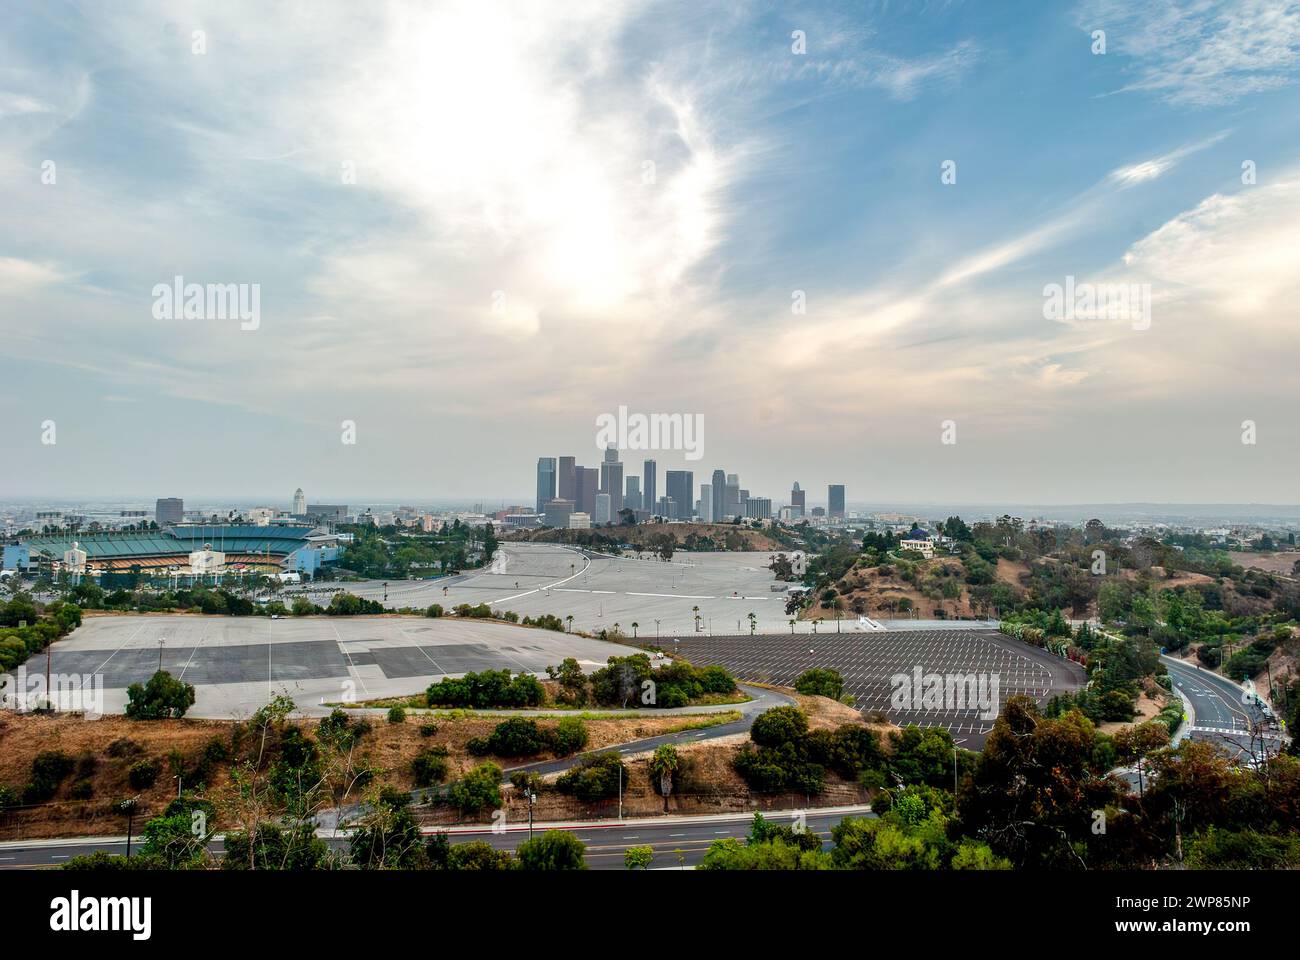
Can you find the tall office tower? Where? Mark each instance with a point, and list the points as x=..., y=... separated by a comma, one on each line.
x=632, y=498
x=732, y=502
x=797, y=502
x=557, y=513
x=545, y=482
x=719, y=486
x=706, y=502
x=566, y=479
x=611, y=453
x=586, y=488
x=299, y=503
x=758, y=508
x=650, y=484
x=169, y=510
x=835, y=500
x=602, y=508
x=611, y=480
x=681, y=491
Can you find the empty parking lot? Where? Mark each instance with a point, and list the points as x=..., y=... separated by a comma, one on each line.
x=869, y=662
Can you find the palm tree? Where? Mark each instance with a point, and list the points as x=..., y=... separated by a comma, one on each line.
x=791, y=622
x=569, y=618
x=662, y=766
x=634, y=626
x=753, y=623
x=696, y=610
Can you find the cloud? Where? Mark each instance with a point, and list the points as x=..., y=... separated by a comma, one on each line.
x=1133, y=174
x=1201, y=53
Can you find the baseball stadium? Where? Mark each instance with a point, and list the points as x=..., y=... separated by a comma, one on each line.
x=186, y=549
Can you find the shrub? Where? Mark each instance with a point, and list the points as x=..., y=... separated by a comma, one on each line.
x=593, y=778
x=396, y=715
x=143, y=774
x=570, y=736
x=479, y=788
x=820, y=682
x=429, y=767
x=49, y=770
x=777, y=726
x=162, y=697
x=434, y=610
x=553, y=850
x=428, y=729
x=517, y=737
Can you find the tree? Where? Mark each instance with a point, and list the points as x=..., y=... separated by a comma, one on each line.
x=778, y=726
x=553, y=850
x=390, y=838
x=820, y=682
x=635, y=858
x=161, y=698
x=663, y=765
x=478, y=789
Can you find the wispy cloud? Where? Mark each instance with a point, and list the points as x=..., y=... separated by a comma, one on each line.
x=1201, y=53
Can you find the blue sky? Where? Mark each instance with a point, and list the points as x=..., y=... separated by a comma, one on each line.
x=447, y=211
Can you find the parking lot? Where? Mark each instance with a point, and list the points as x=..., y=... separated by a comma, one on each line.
x=869, y=662
x=237, y=663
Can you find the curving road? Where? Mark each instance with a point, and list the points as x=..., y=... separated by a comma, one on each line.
x=1222, y=713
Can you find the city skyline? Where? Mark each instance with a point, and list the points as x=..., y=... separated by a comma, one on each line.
x=831, y=293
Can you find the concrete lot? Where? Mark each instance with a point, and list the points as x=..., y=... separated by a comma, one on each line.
x=237, y=663
x=599, y=591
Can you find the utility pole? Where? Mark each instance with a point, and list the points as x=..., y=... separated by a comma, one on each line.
x=620, y=790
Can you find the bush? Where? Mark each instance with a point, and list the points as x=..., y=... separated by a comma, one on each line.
x=162, y=697
x=429, y=767
x=570, y=736
x=820, y=682
x=478, y=789
x=778, y=726
x=428, y=729
x=491, y=688
x=143, y=774
x=434, y=610
x=593, y=778
x=516, y=737
x=553, y=850
x=717, y=680
x=396, y=715
x=49, y=769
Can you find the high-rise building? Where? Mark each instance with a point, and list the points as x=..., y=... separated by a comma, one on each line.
x=545, y=482
x=664, y=507
x=602, y=514
x=706, y=503
x=557, y=513
x=719, y=490
x=681, y=491
x=169, y=510
x=650, y=483
x=566, y=479
x=758, y=508
x=732, y=505
x=835, y=500
x=299, y=502
x=585, y=489
x=611, y=479
x=632, y=496
x=798, y=504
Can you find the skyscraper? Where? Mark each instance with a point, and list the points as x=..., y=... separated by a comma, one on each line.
x=545, y=482
x=602, y=514
x=719, y=486
x=566, y=478
x=681, y=490
x=797, y=501
x=835, y=500
x=632, y=496
x=706, y=502
x=586, y=487
x=649, y=484
x=299, y=503
x=558, y=513
x=169, y=510
x=732, y=505
x=611, y=479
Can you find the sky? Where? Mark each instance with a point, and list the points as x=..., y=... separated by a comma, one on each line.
x=827, y=230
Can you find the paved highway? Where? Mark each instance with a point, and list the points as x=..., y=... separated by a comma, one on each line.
x=1221, y=712
x=671, y=838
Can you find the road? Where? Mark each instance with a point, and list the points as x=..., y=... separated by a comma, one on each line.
x=606, y=840
x=1221, y=712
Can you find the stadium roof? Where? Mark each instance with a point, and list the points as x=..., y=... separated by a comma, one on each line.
x=179, y=540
